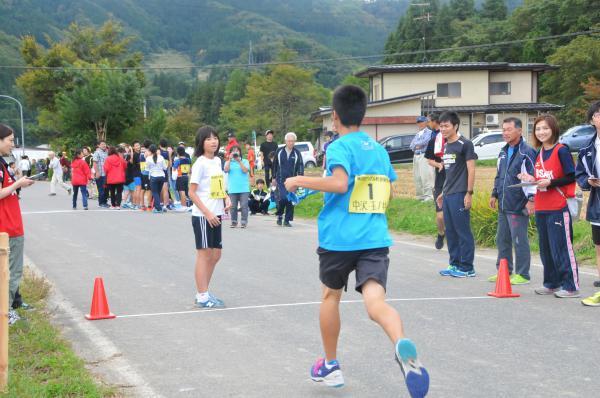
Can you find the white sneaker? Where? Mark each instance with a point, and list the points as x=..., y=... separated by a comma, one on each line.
x=13, y=317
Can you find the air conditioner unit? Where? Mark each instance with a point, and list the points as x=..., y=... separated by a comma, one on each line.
x=492, y=120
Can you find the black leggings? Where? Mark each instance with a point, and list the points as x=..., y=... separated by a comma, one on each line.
x=116, y=191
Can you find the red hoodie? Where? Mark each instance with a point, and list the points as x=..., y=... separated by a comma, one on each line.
x=80, y=172
x=114, y=167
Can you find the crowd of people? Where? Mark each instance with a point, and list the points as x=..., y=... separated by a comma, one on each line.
x=538, y=179
x=531, y=180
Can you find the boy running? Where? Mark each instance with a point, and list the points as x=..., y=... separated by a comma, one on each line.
x=357, y=189
x=181, y=166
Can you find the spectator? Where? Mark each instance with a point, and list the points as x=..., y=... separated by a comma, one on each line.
x=238, y=184
x=11, y=220
x=15, y=174
x=66, y=166
x=433, y=154
x=99, y=158
x=25, y=166
x=57, y=175
x=259, y=199
x=181, y=169
x=287, y=163
x=457, y=196
x=422, y=172
x=81, y=175
x=163, y=147
x=514, y=205
x=265, y=149
x=231, y=142
x=156, y=166
x=114, y=169
x=137, y=176
x=588, y=178
x=129, y=185
x=555, y=181
x=251, y=156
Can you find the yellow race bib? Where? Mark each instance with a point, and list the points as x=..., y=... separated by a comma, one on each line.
x=217, y=187
x=142, y=166
x=371, y=194
x=184, y=168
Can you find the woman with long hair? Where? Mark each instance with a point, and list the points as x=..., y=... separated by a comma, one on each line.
x=555, y=182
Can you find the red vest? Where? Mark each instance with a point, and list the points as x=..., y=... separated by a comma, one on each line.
x=11, y=221
x=551, y=198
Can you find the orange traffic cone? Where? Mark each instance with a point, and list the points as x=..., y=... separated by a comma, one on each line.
x=99, y=308
x=503, y=287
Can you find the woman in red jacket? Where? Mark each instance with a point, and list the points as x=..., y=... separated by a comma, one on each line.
x=80, y=176
x=11, y=221
x=555, y=178
x=114, y=167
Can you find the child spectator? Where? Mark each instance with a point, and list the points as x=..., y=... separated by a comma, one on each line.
x=259, y=199
x=181, y=166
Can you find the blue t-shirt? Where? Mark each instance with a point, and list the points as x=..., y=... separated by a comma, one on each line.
x=511, y=150
x=339, y=230
x=237, y=180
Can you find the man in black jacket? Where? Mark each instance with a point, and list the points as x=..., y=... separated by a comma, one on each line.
x=287, y=163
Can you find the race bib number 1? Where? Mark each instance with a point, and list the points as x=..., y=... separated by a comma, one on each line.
x=371, y=194
x=217, y=187
x=185, y=168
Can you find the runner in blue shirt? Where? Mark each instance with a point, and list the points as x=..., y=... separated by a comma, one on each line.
x=353, y=236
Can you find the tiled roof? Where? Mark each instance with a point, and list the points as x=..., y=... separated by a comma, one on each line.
x=454, y=66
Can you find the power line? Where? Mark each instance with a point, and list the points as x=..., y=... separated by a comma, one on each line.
x=307, y=61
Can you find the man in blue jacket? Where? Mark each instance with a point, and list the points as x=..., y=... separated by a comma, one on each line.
x=515, y=205
x=287, y=163
x=587, y=174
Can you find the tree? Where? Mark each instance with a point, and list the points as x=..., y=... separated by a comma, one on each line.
x=104, y=105
x=81, y=47
x=357, y=81
x=235, y=88
x=461, y=9
x=494, y=10
x=280, y=98
x=578, y=62
x=183, y=124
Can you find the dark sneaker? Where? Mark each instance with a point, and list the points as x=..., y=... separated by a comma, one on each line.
x=279, y=222
x=415, y=375
x=287, y=224
x=328, y=373
x=596, y=283
x=439, y=242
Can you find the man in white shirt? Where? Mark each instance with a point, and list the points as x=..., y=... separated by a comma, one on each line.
x=25, y=166
x=57, y=175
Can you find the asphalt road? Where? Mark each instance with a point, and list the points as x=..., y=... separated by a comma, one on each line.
x=267, y=339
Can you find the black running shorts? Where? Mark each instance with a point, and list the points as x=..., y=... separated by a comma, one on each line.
x=207, y=237
x=335, y=267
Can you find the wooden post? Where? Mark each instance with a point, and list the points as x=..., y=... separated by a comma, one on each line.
x=4, y=280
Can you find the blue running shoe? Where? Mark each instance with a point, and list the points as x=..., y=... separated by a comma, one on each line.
x=328, y=373
x=212, y=302
x=155, y=211
x=415, y=375
x=217, y=300
x=447, y=271
x=456, y=273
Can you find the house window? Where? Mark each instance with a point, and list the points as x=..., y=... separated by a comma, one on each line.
x=448, y=90
x=500, y=88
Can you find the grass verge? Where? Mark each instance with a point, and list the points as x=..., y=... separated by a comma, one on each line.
x=418, y=218
x=41, y=362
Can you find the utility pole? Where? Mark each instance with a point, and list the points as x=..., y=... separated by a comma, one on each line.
x=426, y=18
